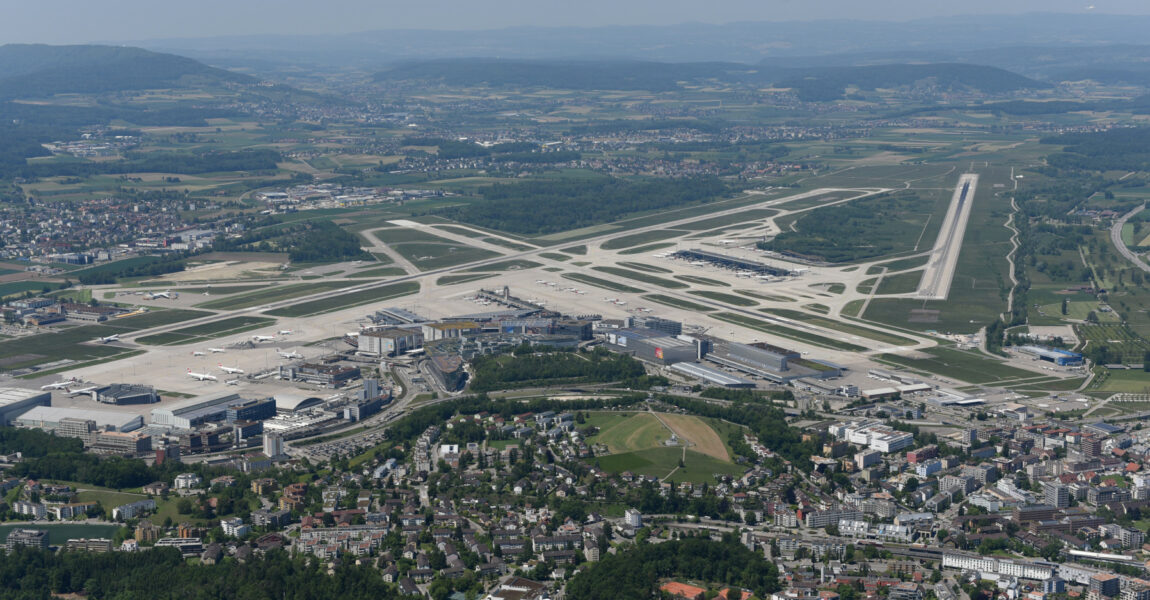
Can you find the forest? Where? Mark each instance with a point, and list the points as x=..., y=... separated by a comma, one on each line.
x=542, y=207
x=151, y=266
x=500, y=372
x=27, y=574
x=308, y=242
x=638, y=571
x=1125, y=149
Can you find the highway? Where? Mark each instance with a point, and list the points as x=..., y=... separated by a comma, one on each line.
x=1116, y=238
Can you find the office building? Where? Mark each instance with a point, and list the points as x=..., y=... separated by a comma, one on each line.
x=273, y=445
x=1055, y=494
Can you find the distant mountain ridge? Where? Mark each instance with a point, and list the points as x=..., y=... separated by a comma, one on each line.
x=813, y=83
x=35, y=70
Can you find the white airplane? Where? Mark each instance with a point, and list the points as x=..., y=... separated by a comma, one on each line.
x=216, y=350
x=59, y=385
x=263, y=338
x=230, y=370
x=197, y=353
x=164, y=294
x=83, y=391
x=232, y=382
x=286, y=332
x=115, y=337
x=292, y=354
x=201, y=376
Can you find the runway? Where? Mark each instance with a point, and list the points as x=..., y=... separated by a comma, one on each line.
x=939, y=272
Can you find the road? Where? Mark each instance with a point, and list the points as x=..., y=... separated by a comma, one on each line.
x=1116, y=239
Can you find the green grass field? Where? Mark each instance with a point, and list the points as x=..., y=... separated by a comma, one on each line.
x=644, y=267
x=787, y=332
x=275, y=294
x=638, y=239
x=846, y=328
x=456, y=279
x=902, y=283
x=342, y=301
x=379, y=272
x=643, y=277
x=649, y=248
x=508, y=265
x=677, y=303
x=601, y=283
x=636, y=444
x=726, y=298
x=966, y=365
x=701, y=280
x=207, y=331
x=429, y=257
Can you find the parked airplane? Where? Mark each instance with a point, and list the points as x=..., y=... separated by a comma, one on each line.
x=230, y=370
x=286, y=332
x=263, y=338
x=232, y=382
x=197, y=353
x=59, y=385
x=83, y=391
x=215, y=350
x=292, y=354
x=201, y=376
x=166, y=294
x=115, y=337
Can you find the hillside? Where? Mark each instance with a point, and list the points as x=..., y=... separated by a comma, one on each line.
x=34, y=70
x=812, y=83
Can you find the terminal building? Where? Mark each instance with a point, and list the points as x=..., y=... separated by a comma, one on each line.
x=332, y=376
x=711, y=375
x=228, y=407
x=15, y=402
x=731, y=262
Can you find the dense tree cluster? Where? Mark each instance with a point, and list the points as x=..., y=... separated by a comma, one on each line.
x=491, y=373
x=163, y=573
x=151, y=266
x=1126, y=149
x=636, y=573
x=311, y=241
x=540, y=207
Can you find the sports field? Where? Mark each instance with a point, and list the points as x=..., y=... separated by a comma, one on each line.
x=638, y=443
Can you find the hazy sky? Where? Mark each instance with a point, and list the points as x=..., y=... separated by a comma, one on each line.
x=72, y=21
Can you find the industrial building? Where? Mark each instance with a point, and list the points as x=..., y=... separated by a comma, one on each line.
x=126, y=393
x=768, y=362
x=873, y=435
x=711, y=375
x=652, y=346
x=15, y=402
x=390, y=342
x=1062, y=358
x=50, y=418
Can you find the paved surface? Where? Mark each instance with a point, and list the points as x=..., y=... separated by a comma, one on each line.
x=935, y=284
x=1116, y=238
